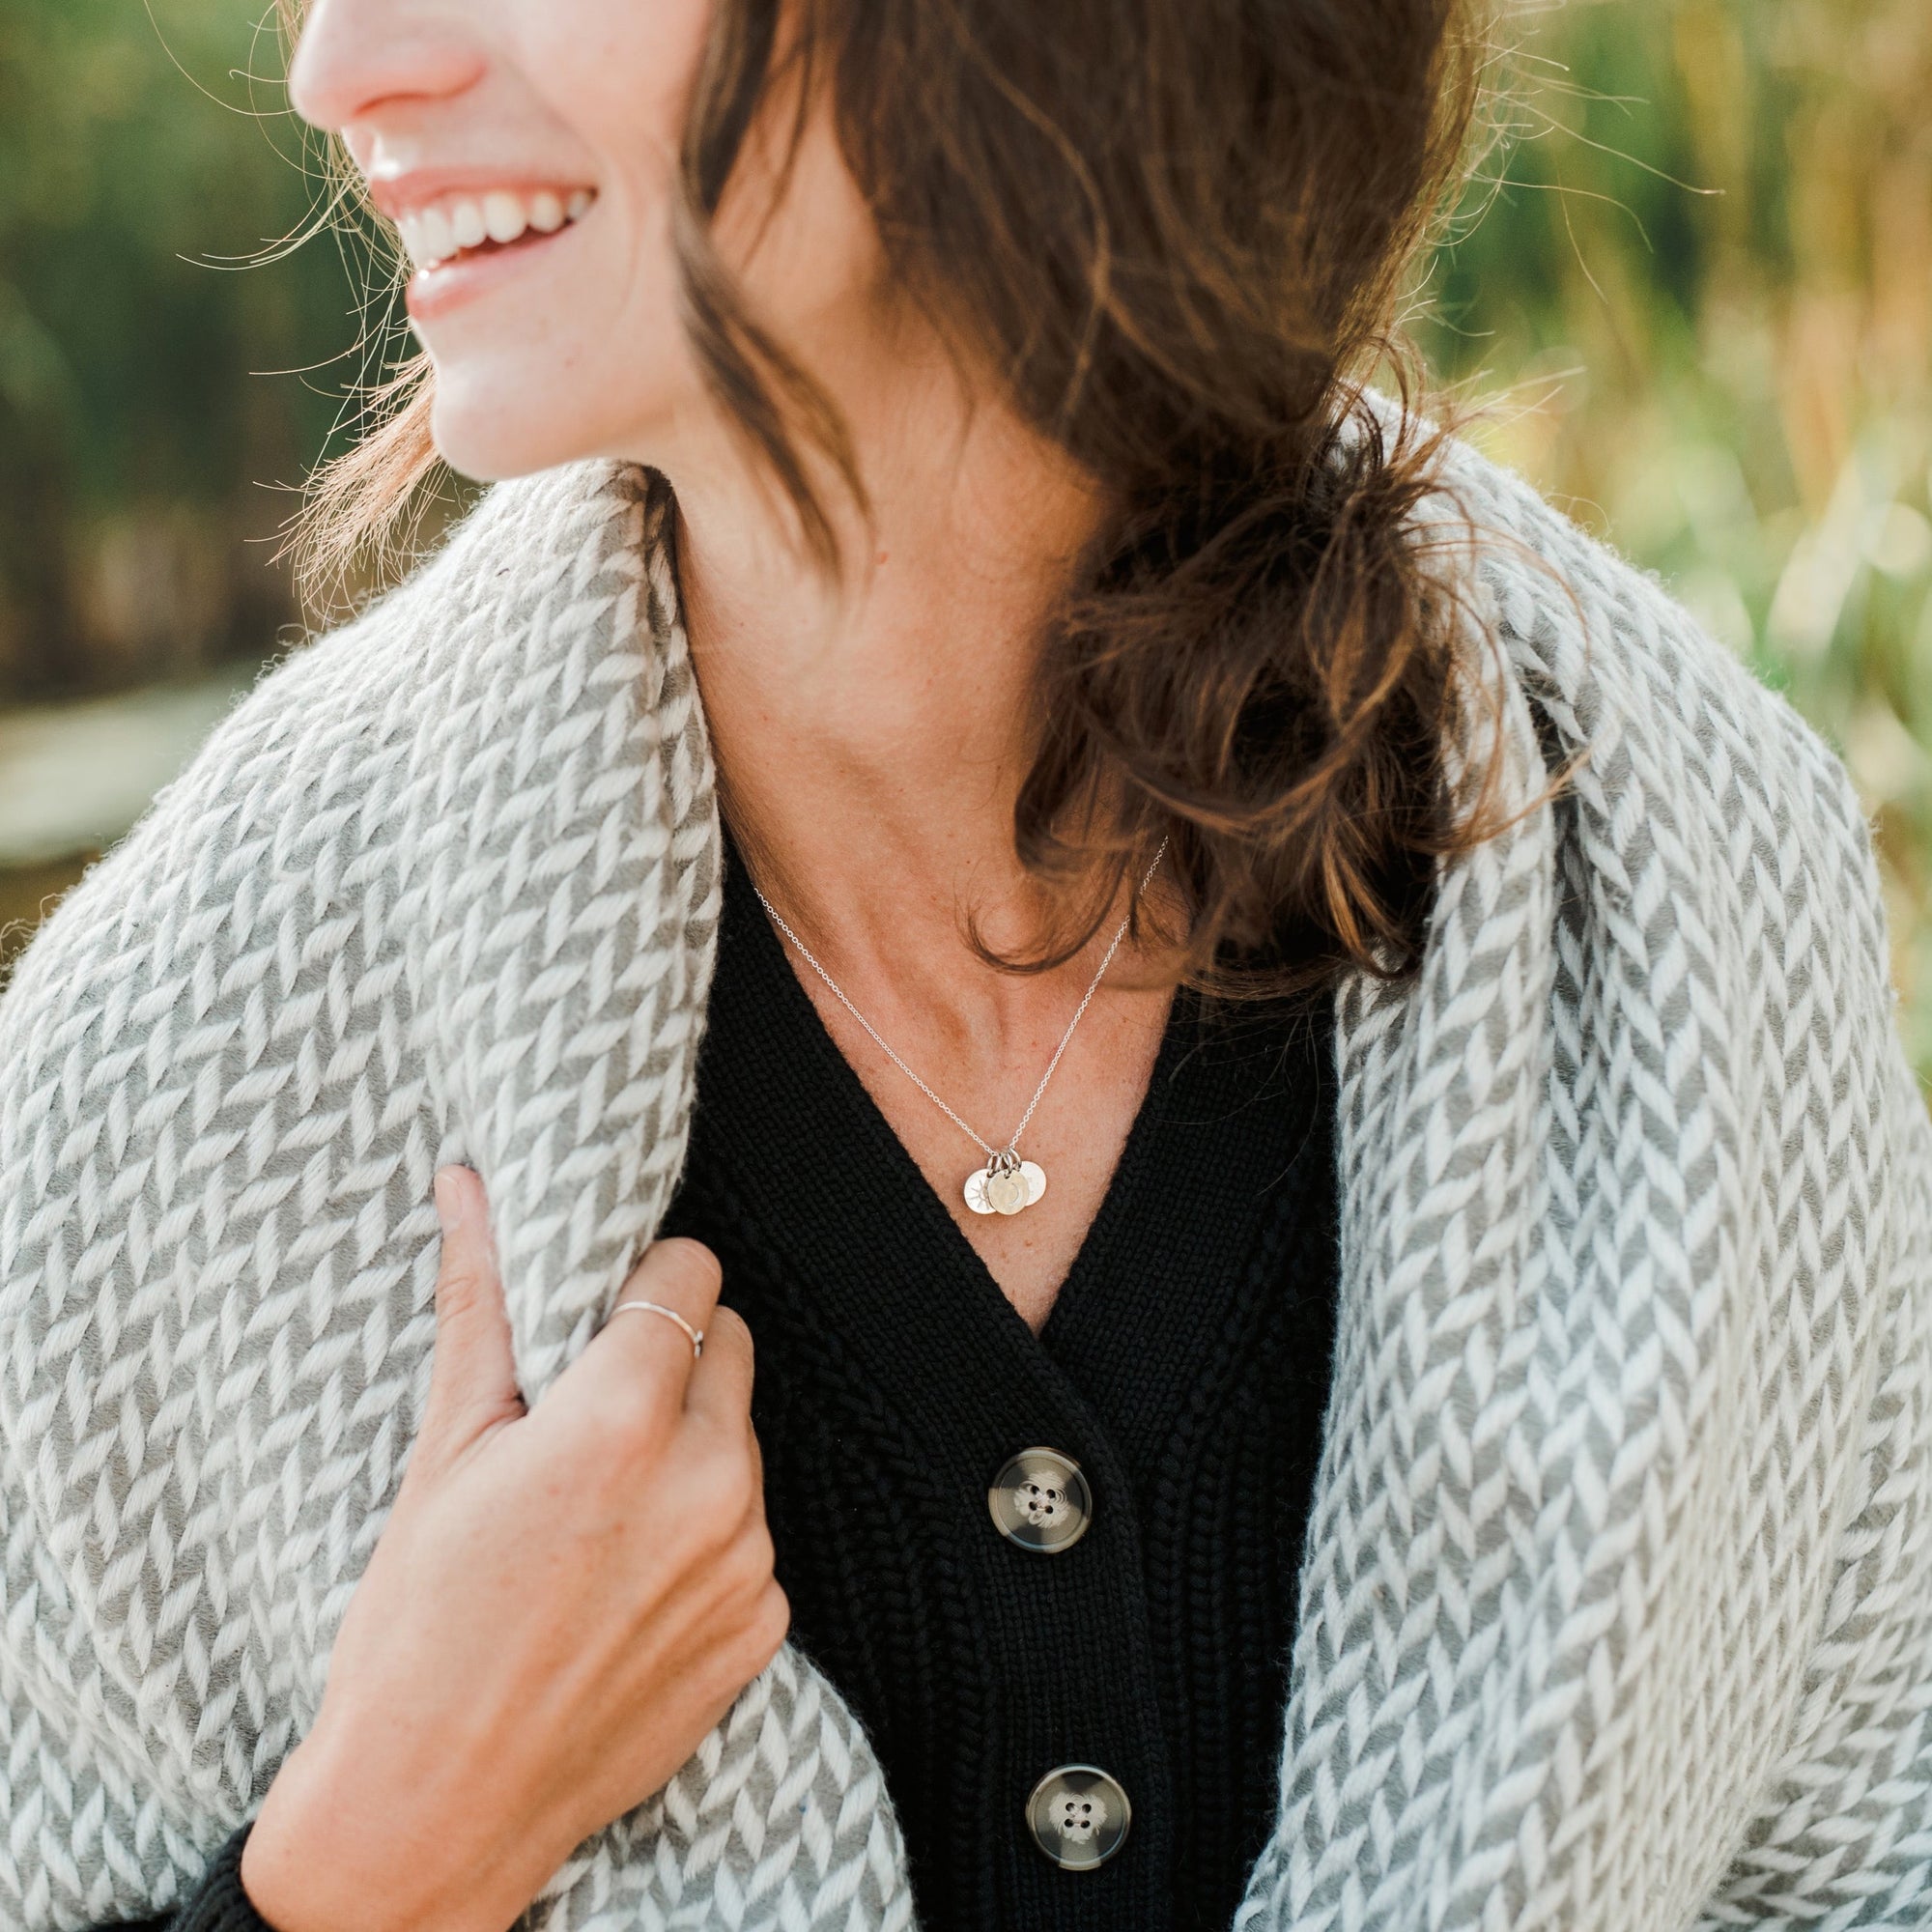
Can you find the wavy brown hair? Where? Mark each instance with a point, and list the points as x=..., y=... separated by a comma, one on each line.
x=1178, y=234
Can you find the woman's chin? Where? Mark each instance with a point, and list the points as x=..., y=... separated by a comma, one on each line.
x=481, y=439
x=496, y=420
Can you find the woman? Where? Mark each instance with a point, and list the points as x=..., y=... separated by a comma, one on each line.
x=1425, y=1419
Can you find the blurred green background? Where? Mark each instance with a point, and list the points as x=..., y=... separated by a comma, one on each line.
x=1694, y=284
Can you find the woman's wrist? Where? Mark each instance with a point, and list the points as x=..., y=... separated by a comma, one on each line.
x=301, y=1868
x=283, y=1849
x=329, y=1852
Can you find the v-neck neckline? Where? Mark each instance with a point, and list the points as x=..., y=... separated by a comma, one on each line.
x=744, y=923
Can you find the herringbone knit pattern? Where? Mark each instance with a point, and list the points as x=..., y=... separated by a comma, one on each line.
x=1617, y=1606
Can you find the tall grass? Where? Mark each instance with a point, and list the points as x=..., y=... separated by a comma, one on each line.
x=1698, y=281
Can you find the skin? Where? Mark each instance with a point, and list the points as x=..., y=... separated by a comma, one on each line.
x=525, y=1659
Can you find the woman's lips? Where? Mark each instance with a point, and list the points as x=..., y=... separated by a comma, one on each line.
x=436, y=291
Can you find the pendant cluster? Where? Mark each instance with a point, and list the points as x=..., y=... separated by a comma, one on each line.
x=1006, y=1186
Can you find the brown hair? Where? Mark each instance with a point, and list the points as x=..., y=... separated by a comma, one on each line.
x=1179, y=232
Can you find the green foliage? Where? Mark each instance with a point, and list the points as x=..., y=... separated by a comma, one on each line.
x=136, y=448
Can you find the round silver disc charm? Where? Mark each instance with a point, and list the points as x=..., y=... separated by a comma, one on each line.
x=1007, y=1193
x=1006, y=1184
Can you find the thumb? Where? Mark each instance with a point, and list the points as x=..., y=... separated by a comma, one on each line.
x=473, y=1378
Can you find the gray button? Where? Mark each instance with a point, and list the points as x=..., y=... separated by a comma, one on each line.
x=1078, y=1816
x=1040, y=1500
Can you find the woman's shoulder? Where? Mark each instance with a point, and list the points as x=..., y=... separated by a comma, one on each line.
x=476, y=616
x=1623, y=676
x=1594, y=623
x=347, y=752
x=1686, y=791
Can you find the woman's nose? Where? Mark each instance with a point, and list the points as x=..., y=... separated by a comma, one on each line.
x=355, y=55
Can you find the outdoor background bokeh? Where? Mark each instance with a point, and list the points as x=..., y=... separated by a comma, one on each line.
x=1696, y=277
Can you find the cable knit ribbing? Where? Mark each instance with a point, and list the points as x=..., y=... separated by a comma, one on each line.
x=894, y=1381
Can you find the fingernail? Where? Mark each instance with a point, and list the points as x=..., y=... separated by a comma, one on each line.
x=448, y=1201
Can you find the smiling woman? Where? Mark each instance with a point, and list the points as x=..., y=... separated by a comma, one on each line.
x=957, y=658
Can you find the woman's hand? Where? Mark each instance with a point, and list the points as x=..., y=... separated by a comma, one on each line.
x=561, y=1604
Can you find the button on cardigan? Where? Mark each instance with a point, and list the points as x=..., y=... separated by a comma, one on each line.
x=1617, y=1612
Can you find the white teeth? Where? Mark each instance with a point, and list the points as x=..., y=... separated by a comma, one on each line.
x=431, y=235
x=438, y=241
x=503, y=216
x=467, y=224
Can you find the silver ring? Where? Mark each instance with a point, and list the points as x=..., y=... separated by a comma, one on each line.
x=670, y=1315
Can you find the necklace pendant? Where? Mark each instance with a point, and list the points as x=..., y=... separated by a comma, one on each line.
x=1005, y=1186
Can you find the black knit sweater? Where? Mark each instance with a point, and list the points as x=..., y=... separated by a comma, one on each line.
x=1184, y=1366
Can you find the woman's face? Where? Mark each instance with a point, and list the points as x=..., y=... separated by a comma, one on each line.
x=528, y=152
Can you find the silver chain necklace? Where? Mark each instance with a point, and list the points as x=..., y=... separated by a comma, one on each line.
x=1006, y=1184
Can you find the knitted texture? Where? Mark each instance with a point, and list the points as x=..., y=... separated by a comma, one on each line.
x=221, y=1902
x=1184, y=1366
x=1616, y=1611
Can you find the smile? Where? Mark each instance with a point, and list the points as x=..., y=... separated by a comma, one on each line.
x=452, y=226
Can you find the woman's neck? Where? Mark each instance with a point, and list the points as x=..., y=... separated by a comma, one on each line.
x=871, y=735
x=870, y=739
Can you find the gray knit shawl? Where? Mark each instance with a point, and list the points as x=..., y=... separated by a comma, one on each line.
x=1616, y=1611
